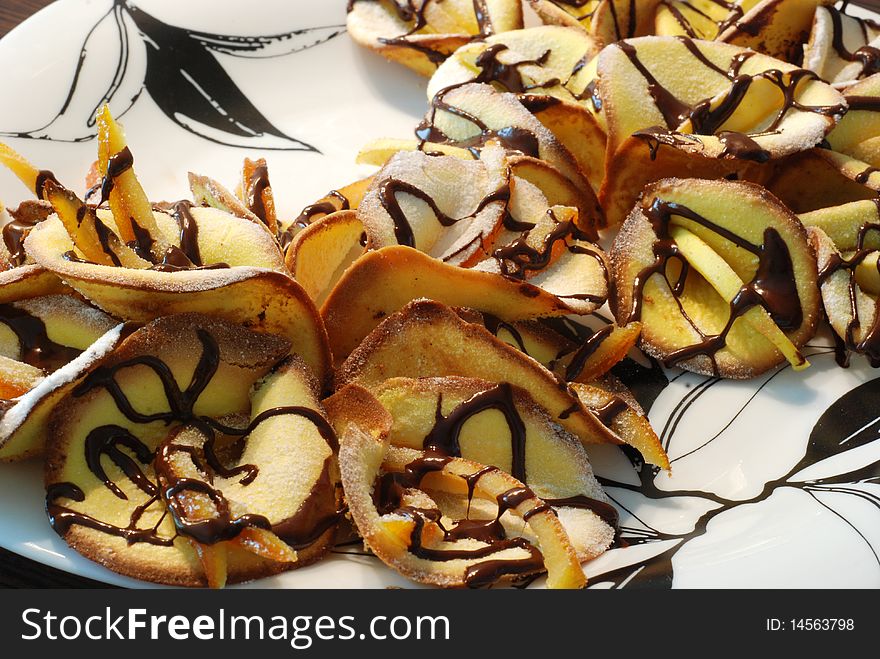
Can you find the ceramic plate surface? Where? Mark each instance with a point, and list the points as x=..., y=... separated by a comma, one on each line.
x=775, y=481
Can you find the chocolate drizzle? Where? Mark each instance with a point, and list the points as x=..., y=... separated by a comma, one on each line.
x=508, y=76
x=117, y=164
x=441, y=444
x=741, y=146
x=390, y=188
x=772, y=287
x=106, y=440
x=869, y=345
x=62, y=518
x=513, y=138
x=37, y=349
x=408, y=13
x=257, y=185
x=316, y=515
x=489, y=531
x=335, y=201
x=43, y=177
x=584, y=352
x=867, y=56
x=707, y=117
x=189, y=232
x=25, y=218
x=444, y=436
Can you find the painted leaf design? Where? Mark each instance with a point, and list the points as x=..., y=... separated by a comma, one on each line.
x=96, y=80
x=852, y=422
x=191, y=87
x=655, y=573
x=179, y=71
x=275, y=45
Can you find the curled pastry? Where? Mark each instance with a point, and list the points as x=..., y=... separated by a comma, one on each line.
x=49, y=339
x=407, y=506
x=847, y=243
x=422, y=33
x=427, y=339
x=501, y=425
x=774, y=27
x=497, y=246
x=842, y=48
x=746, y=109
x=606, y=20
x=195, y=454
x=721, y=276
x=547, y=67
x=473, y=114
x=138, y=261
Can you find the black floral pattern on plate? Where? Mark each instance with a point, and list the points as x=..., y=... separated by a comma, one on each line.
x=183, y=77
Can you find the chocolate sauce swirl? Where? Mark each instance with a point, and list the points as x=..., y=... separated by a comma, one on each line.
x=117, y=164
x=24, y=218
x=316, y=515
x=63, y=518
x=257, y=185
x=707, y=117
x=37, y=349
x=869, y=344
x=867, y=56
x=445, y=434
x=772, y=287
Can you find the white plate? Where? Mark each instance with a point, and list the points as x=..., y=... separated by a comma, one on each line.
x=776, y=482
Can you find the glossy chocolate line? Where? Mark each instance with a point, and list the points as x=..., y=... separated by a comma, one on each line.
x=143, y=242
x=772, y=287
x=443, y=437
x=37, y=349
x=610, y=410
x=321, y=424
x=863, y=103
x=707, y=119
x=211, y=530
x=62, y=518
x=585, y=351
x=869, y=345
x=519, y=257
x=316, y=515
x=222, y=526
x=741, y=146
x=189, y=231
x=117, y=164
x=864, y=175
x=23, y=219
x=511, y=137
x=337, y=202
x=495, y=325
x=43, y=177
x=507, y=75
x=484, y=18
x=654, y=136
x=403, y=232
x=868, y=56
x=390, y=188
x=257, y=185
x=673, y=110
x=107, y=440
x=104, y=238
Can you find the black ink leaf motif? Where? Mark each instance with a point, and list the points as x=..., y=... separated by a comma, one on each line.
x=183, y=77
x=850, y=424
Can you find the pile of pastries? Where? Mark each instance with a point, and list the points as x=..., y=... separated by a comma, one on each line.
x=219, y=393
